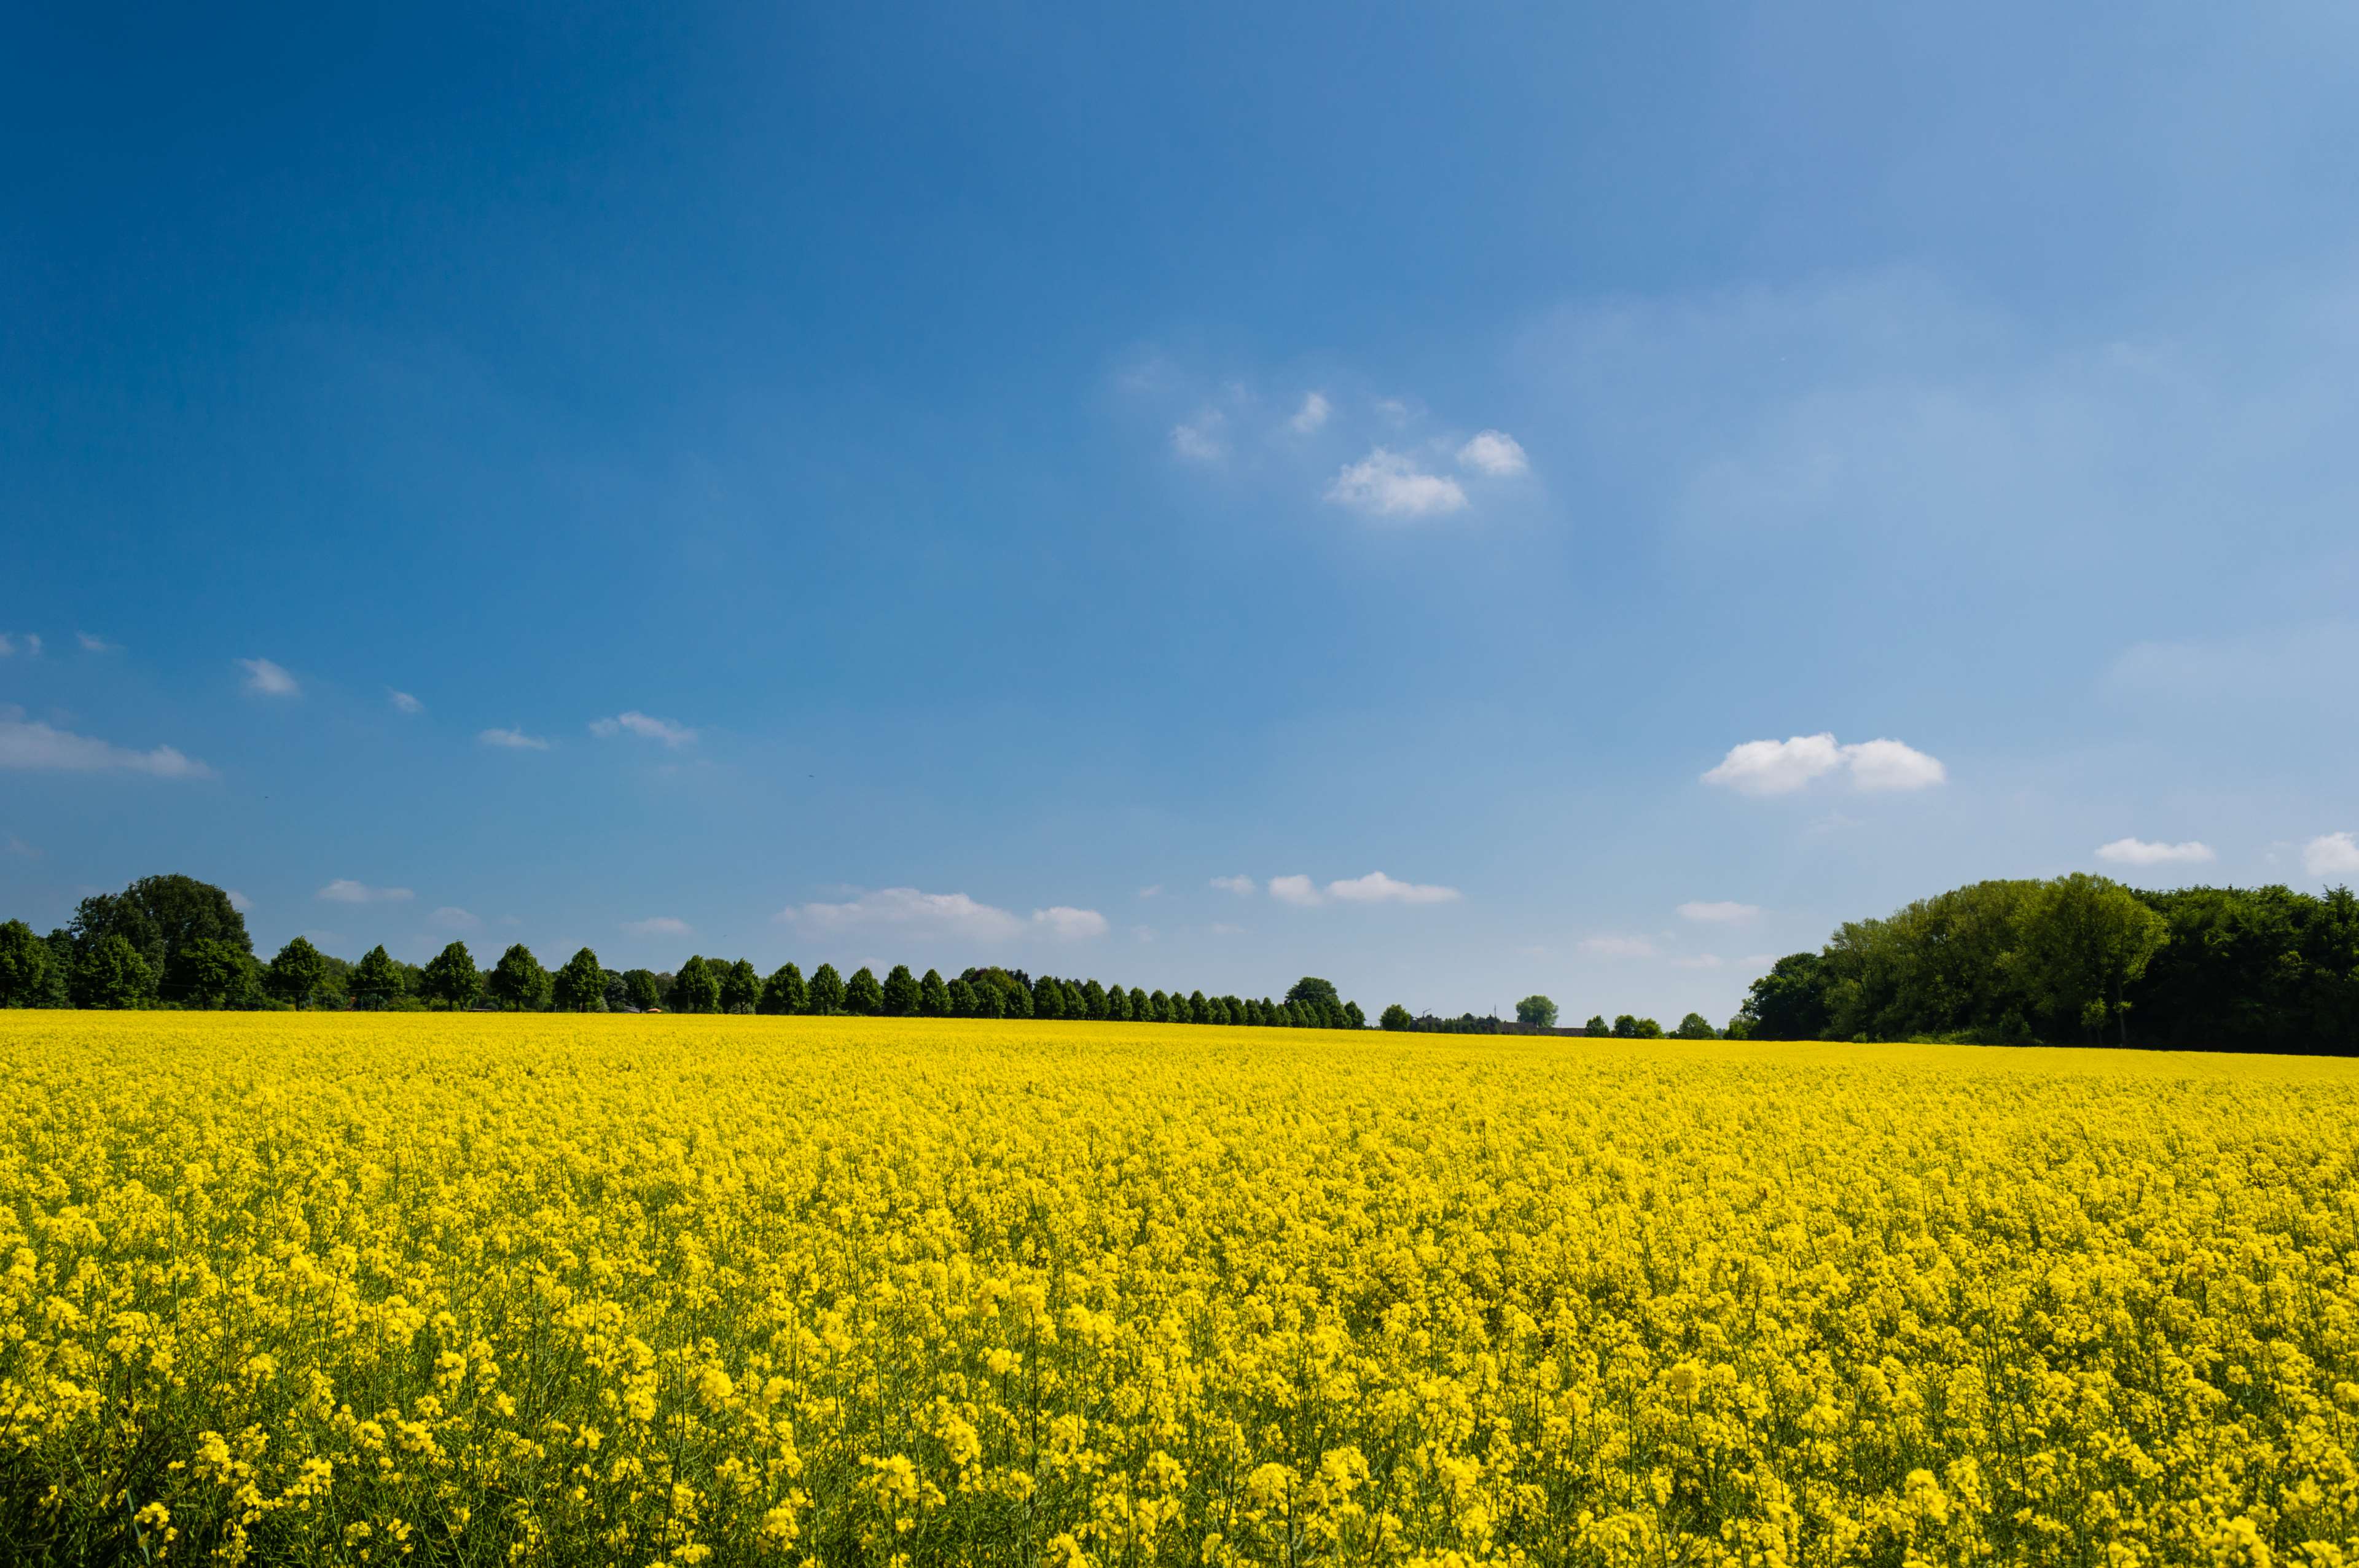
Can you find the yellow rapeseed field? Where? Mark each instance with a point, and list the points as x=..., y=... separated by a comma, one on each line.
x=346, y=1289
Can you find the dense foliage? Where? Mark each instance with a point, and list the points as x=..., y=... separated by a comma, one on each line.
x=484, y=1288
x=2081, y=959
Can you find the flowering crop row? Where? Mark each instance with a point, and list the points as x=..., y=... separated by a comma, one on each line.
x=309, y=1289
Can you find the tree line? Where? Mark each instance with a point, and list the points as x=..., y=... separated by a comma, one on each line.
x=173, y=941
x=2081, y=960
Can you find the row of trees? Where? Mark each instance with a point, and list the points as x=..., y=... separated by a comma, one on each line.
x=178, y=941
x=2081, y=959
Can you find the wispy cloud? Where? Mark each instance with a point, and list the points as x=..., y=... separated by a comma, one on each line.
x=1386, y=483
x=1242, y=886
x=1495, y=453
x=90, y=644
x=1378, y=888
x=644, y=726
x=1698, y=961
x=1781, y=767
x=658, y=926
x=12, y=845
x=450, y=917
x=35, y=747
x=2139, y=852
x=1068, y=923
x=403, y=702
x=267, y=679
x=1296, y=890
x=343, y=890
x=512, y=739
x=1721, y=912
x=1312, y=414
x=2331, y=855
x=1618, y=947
x=1199, y=440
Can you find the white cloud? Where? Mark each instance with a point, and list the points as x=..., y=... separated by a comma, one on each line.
x=450, y=917
x=90, y=644
x=1199, y=442
x=12, y=845
x=7, y=648
x=513, y=740
x=1378, y=888
x=640, y=724
x=1721, y=912
x=32, y=745
x=1387, y=485
x=238, y=901
x=907, y=909
x=1241, y=886
x=267, y=679
x=1496, y=453
x=658, y=926
x=1618, y=947
x=33, y=643
x=1312, y=413
x=1154, y=892
x=1781, y=767
x=1064, y=922
x=2138, y=852
x=1393, y=410
x=2330, y=855
x=343, y=890
x=1293, y=890
x=1888, y=764
x=403, y=702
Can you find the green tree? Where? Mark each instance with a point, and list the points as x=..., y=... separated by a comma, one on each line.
x=376, y=979
x=961, y=992
x=1353, y=1016
x=1537, y=1009
x=933, y=997
x=1395, y=1017
x=1595, y=1026
x=1159, y=1009
x=1047, y=998
x=518, y=983
x=160, y=916
x=1139, y=1010
x=2089, y=938
x=784, y=992
x=639, y=989
x=696, y=988
x=826, y=990
x=453, y=979
x=861, y=994
x=1199, y=1010
x=1695, y=1026
x=581, y=985
x=898, y=994
x=1315, y=1003
x=1118, y=1008
x=741, y=987
x=297, y=974
x=1628, y=1028
x=110, y=973
x=1789, y=1002
x=26, y=966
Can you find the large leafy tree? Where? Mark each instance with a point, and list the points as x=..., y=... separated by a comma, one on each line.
x=1695, y=1026
x=963, y=1002
x=899, y=992
x=696, y=988
x=861, y=995
x=26, y=966
x=212, y=973
x=1628, y=1028
x=639, y=989
x=376, y=979
x=297, y=975
x=2087, y=940
x=933, y=997
x=1315, y=1002
x=451, y=978
x=784, y=992
x=1789, y=1002
x=1047, y=998
x=581, y=985
x=160, y=916
x=518, y=983
x=826, y=990
x=1537, y=1009
x=1395, y=1017
x=741, y=987
x=110, y=973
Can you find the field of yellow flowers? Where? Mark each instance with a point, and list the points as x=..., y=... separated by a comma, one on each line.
x=299, y=1289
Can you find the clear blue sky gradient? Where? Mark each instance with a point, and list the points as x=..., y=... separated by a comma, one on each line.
x=904, y=400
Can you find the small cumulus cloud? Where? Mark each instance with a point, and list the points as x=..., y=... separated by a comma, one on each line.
x=1495, y=453
x=267, y=679
x=909, y=910
x=1068, y=923
x=1378, y=888
x=1241, y=886
x=1781, y=767
x=403, y=702
x=658, y=926
x=1312, y=414
x=512, y=739
x=1618, y=947
x=343, y=890
x=1199, y=442
x=35, y=747
x=1386, y=483
x=644, y=726
x=1718, y=912
x=1293, y=890
x=2139, y=852
x=450, y=917
x=2331, y=855
x=93, y=645
x=1154, y=891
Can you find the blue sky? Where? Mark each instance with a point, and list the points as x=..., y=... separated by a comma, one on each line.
x=1451, y=499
